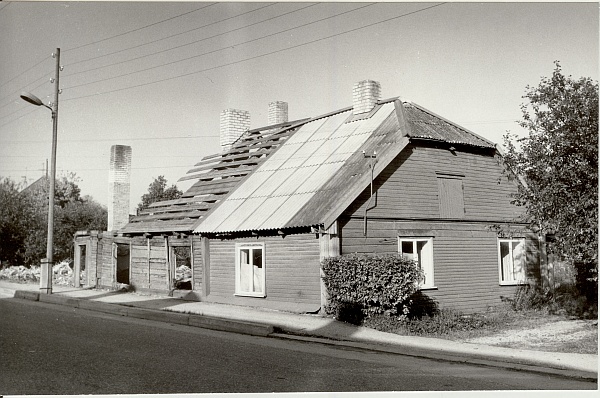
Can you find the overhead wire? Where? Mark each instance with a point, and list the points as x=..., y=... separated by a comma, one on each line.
x=46, y=76
x=242, y=60
x=140, y=28
x=161, y=39
x=216, y=50
x=112, y=139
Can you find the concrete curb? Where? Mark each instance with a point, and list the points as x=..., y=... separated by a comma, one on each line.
x=202, y=321
x=27, y=295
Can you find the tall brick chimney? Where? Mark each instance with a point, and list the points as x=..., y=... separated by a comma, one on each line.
x=119, y=175
x=233, y=123
x=365, y=95
x=278, y=112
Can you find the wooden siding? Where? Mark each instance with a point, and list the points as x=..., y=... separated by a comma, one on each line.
x=149, y=268
x=197, y=263
x=465, y=248
x=408, y=187
x=105, y=263
x=465, y=258
x=291, y=267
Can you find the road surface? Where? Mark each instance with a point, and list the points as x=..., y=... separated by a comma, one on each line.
x=50, y=349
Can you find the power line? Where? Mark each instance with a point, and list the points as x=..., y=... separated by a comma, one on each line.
x=22, y=73
x=115, y=139
x=106, y=168
x=14, y=120
x=161, y=39
x=140, y=28
x=30, y=89
x=217, y=50
x=247, y=59
x=7, y=4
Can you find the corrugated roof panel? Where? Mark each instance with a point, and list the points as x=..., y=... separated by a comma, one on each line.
x=237, y=220
x=278, y=178
x=352, y=143
x=227, y=207
x=323, y=173
x=300, y=167
x=306, y=131
x=281, y=156
x=245, y=190
x=283, y=214
x=291, y=184
x=426, y=124
x=259, y=216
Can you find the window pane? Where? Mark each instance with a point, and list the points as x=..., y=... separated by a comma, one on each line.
x=257, y=257
x=518, y=260
x=505, y=260
x=407, y=250
x=423, y=260
x=245, y=271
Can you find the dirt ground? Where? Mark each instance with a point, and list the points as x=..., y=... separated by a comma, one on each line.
x=554, y=334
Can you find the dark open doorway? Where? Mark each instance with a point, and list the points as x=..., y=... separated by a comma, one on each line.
x=122, y=263
x=183, y=271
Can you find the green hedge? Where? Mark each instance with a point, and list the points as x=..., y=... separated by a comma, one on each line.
x=361, y=285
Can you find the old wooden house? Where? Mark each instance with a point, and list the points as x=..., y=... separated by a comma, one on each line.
x=380, y=176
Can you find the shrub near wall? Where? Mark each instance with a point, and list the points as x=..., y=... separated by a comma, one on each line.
x=361, y=285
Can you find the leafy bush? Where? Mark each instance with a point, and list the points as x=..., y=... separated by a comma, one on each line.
x=361, y=285
x=528, y=297
x=565, y=299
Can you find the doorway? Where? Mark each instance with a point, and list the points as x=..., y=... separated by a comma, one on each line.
x=123, y=263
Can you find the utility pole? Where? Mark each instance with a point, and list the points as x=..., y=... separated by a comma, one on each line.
x=48, y=262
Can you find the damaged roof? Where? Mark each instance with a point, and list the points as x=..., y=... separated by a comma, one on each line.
x=296, y=174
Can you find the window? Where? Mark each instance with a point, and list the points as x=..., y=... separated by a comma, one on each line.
x=511, y=257
x=450, y=191
x=421, y=251
x=250, y=269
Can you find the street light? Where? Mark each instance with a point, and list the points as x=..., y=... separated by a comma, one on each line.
x=47, y=263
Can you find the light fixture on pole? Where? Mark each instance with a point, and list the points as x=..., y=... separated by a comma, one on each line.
x=47, y=263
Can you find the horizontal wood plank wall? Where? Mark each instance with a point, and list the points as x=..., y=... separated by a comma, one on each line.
x=139, y=263
x=292, y=273
x=106, y=264
x=158, y=264
x=465, y=258
x=408, y=187
x=197, y=262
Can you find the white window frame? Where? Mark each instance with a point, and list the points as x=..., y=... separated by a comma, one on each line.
x=510, y=276
x=424, y=259
x=256, y=279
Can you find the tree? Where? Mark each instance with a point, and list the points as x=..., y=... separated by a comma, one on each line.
x=558, y=164
x=14, y=221
x=158, y=191
x=24, y=219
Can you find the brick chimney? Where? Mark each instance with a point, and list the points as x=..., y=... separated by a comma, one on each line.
x=119, y=175
x=233, y=124
x=278, y=112
x=365, y=95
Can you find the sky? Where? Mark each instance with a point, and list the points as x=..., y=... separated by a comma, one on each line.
x=155, y=76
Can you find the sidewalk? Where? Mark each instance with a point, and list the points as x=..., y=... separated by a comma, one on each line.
x=278, y=324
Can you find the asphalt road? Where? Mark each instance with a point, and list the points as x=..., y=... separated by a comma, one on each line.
x=49, y=349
